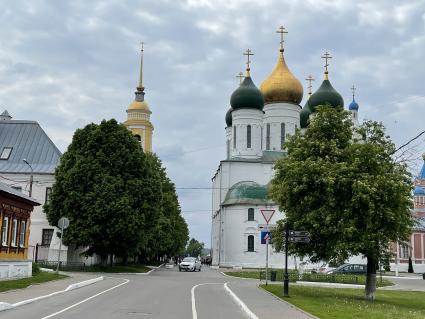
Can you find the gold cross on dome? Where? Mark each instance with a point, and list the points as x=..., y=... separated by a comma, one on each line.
x=309, y=80
x=353, y=89
x=326, y=56
x=240, y=76
x=282, y=31
x=248, y=53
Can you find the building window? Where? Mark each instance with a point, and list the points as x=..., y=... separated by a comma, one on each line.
x=404, y=251
x=250, y=243
x=5, y=231
x=14, y=231
x=5, y=154
x=46, y=237
x=48, y=193
x=138, y=138
x=250, y=214
x=268, y=136
x=248, y=136
x=282, y=135
x=234, y=136
x=22, y=234
x=228, y=149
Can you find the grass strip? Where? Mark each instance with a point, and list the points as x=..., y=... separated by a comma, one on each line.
x=25, y=282
x=343, y=303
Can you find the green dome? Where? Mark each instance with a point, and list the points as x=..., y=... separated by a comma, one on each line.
x=326, y=94
x=246, y=192
x=247, y=95
x=228, y=117
x=304, y=115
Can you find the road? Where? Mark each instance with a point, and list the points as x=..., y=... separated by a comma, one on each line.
x=164, y=294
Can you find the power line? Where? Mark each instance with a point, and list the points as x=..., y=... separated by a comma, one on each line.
x=410, y=141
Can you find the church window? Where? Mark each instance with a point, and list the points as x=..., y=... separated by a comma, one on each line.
x=250, y=214
x=137, y=137
x=234, y=136
x=250, y=243
x=5, y=154
x=282, y=135
x=268, y=136
x=248, y=136
x=48, y=193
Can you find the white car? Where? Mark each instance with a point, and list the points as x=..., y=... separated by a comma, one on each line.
x=190, y=263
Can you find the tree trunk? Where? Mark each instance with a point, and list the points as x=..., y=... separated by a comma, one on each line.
x=111, y=261
x=103, y=260
x=370, y=288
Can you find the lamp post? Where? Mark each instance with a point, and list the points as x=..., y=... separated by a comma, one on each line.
x=31, y=177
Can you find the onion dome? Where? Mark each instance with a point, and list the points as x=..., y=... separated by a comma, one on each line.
x=228, y=117
x=419, y=190
x=247, y=95
x=281, y=85
x=353, y=106
x=304, y=115
x=325, y=94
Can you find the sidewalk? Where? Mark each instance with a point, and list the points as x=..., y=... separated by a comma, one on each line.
x=33, y=291
x=263, y=304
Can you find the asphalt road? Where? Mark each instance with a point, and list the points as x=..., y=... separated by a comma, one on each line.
x=164, y=294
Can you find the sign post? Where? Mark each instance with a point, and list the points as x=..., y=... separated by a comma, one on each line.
x=267, y=214
x=63, y=223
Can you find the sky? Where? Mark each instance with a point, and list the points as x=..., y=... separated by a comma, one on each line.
x=69, y=63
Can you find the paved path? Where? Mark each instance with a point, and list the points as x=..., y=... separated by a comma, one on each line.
x=406, y=283
x=164, y=294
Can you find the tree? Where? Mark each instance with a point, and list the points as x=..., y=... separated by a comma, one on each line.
x=341, y=185
x=194, y=248
x=109, y=191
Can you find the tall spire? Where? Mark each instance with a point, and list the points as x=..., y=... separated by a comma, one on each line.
x=353, y=89
x=310, y=79
x=326, y=56
x=248, y=53
x=140, y=89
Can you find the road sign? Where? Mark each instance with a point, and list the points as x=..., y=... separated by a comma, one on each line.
x=265, y=236
x=299, y=239
x=63, y=223
x=267, y=214
x=266, y=227
x=299, y=233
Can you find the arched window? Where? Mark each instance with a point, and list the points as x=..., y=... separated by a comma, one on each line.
x=268, y=136
x=248, y=136
x=250, y=243
x=282, y=135
x=234, y=136
x=250, y=214
x=137, y=137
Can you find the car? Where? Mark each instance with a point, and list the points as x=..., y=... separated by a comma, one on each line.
x=349, y=269
x=190, y=263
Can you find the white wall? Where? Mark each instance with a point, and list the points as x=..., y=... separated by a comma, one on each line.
x=241, y=118
x=15, y=269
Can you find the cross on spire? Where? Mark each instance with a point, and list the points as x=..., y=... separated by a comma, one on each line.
x=240, y=76
x=141, y=66
x=326, y=56
x=282, y=31
x=353, y=89
x=309, y=79
x=248, y=53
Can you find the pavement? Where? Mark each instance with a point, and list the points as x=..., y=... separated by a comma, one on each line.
x=164, y=294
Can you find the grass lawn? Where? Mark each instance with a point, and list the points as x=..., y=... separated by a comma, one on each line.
x=134, y=268
x=25, y=282
x=342, y=303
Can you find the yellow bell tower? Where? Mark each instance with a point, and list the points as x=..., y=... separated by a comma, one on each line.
x=138, y=114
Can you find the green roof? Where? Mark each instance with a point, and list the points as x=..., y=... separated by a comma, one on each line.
x=325, y=94
x=304, y=115
x=247, y=192
x=247, y=95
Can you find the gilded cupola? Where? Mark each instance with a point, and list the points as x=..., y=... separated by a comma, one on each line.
x=281, y=85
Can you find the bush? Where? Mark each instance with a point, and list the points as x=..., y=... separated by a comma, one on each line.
x=35, y=269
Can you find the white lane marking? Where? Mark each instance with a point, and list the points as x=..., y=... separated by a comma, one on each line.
x=87, y=299
x=192, y=293
x=240, y=303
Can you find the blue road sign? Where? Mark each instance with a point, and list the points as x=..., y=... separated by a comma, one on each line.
x=265, y=235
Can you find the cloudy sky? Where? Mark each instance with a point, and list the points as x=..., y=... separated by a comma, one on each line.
x=68, y=63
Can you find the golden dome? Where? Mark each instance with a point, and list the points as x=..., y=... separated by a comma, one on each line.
x=282, y=85
x=139, y=105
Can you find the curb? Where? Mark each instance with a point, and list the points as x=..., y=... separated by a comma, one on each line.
x=140, y=273
x=6, y=305
x=291, y=305
x=240, y=303
x=230, y=276
x=327, y=284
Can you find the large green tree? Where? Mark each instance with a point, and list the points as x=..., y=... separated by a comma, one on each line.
x=109, y=191
x=194, y=248
x=342, y=185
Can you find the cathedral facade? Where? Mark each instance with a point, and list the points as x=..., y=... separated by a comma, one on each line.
x=257, y=124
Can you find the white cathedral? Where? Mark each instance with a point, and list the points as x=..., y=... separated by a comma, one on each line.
x=257, y=125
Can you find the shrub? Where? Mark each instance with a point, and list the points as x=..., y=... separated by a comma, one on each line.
x=35, y=269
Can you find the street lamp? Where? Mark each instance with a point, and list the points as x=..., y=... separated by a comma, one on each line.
x=31, y=177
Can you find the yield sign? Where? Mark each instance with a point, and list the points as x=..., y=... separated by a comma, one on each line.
x=267, y=214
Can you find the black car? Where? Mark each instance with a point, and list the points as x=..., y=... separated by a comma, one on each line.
x=352, y=269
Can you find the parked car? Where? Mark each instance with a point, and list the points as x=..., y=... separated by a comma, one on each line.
x=352, y=269
x=190, y=263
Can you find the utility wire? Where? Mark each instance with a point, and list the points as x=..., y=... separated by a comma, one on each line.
x=410, y=141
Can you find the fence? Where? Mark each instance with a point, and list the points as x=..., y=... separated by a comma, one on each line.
x=64, y=265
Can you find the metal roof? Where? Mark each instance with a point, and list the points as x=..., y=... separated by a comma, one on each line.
x=11, y=191
x=27, y=140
